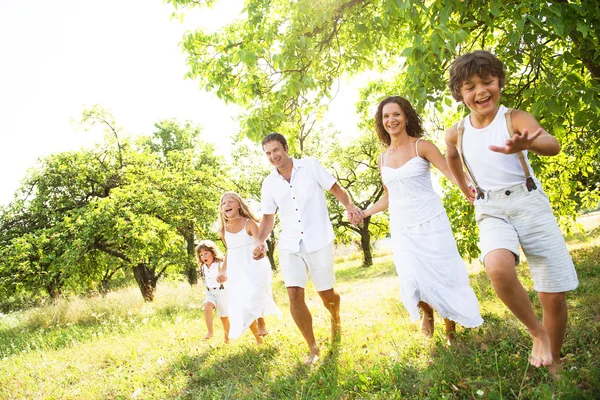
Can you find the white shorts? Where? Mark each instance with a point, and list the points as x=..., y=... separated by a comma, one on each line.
x=218, y=297
x=296, y=266
x=513, y=216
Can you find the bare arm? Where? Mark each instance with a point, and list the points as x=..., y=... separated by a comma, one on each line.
x=431, y=153
x=455, y=165
x=344, y=198
x=380, y=205
x=266, y=226
x=529, y=135
x=383, y=202
x=222, y=276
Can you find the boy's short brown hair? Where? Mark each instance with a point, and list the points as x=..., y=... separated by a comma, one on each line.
x=480, y=62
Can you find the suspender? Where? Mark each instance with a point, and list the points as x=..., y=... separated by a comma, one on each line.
x=529, y=182
x=528, y=179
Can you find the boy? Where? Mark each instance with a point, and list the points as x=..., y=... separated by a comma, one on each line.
x=511, y=207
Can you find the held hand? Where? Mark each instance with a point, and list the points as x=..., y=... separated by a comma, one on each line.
x=259, y=251
x=222, y=277
x=518, y=142
x=354, y=214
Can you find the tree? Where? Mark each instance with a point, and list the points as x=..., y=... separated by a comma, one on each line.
x=283, y=61
x=82, y=216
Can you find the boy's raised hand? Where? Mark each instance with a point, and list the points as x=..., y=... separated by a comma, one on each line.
x=518, y=142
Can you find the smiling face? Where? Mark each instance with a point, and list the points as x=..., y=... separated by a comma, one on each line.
x=481, y=94
x=206, y=257
x=394, y=119
x=230, y=207
x=276, y=154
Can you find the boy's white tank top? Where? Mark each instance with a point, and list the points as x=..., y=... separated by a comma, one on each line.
x=492, y=170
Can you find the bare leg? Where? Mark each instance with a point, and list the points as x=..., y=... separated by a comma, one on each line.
x=254, y=330
x=500, y=267
x=208, y=319
x=450, y=330
x=262, y=327
x=303, y=320
x=555, y=322
x=331, y=300
x=427, y=324
x=225, y=321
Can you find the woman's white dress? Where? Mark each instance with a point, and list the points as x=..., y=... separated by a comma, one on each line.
x=249, y=284
x=427, y=261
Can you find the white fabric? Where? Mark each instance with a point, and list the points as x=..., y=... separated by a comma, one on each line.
x=220, y=299
x=516, y=216
x=411, y=191
x=296, y=266
x=210, y=274
x=428, y=264
x=492, y=170
x=250, y=292
x=302, y=207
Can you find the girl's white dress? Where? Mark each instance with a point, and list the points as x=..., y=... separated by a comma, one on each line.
x=427, y=261
x=249, y=284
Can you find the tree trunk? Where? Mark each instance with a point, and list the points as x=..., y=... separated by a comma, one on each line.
x=146, y=280
x=191, y=267
x=365, y=243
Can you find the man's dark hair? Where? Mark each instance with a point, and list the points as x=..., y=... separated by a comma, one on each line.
x=277, y=137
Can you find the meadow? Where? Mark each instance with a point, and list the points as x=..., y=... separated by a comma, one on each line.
x=118, y=347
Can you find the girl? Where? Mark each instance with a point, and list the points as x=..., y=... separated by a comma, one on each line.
x=209, y=260
x=249, y=280
x=432, y=273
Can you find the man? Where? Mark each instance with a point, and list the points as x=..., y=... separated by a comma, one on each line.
x=296, y=187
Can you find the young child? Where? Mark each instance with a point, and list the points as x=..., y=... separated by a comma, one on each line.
x=209, y=260
x=432, y=273
x=250, y=292
x=511, y=207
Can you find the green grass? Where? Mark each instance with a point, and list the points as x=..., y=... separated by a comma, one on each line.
x=119, y=347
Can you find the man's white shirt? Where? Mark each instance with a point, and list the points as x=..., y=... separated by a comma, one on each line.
x=302, y=207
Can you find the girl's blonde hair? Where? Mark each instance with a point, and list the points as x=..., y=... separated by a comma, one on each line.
x=244, y=211
x=208, y=245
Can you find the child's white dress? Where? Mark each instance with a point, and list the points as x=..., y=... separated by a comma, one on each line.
x=425, y=253
x=250, y=292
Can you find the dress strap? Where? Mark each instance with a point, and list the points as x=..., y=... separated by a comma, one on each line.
x=417, y=147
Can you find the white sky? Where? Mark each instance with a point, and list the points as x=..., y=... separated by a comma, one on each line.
x=57, y=57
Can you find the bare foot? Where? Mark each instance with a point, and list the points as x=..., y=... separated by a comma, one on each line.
x=541, y=352
x=262, y=327
x=226, y=339
x=259, y=340
x=208, y=336
x=312, y=358
x=450, y=330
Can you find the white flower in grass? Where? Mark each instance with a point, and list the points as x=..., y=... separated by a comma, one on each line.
x=161, y=361
x=135, y=394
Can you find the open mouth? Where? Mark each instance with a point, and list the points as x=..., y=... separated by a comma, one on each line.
x=484, y=100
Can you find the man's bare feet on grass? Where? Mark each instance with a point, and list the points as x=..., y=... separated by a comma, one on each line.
x=541, y=353
x=450, y=331
x=313, y=357
x=262, y=327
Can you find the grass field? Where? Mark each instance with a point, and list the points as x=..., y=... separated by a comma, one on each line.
x=119, y=347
